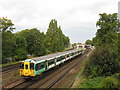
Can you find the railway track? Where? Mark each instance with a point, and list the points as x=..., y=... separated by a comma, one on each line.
x=29, y=83
x=8, y=71
x=50, y=84
x=50, y=78
x=9, y=67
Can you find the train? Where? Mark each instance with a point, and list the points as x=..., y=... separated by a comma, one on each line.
x=30, y=68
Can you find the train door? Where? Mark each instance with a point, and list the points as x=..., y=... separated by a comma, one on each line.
x=27, y=69
x=40, y=67
x=61, y=59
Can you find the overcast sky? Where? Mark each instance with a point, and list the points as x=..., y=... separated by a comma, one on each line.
x=77, y=18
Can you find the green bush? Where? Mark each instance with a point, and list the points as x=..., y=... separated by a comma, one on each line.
x=91, y=83
x=109, y=82
x=102, y=62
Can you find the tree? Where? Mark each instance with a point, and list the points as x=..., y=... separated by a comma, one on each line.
x=21, y=44
x=8, y=39
x=105, y=58
x=107, y=24
x=6, y=24
x=55, y=39
x=34, y=39
x=39, y=48
x=88, y=42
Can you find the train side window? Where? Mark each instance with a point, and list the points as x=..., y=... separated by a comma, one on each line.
x=58, y=59
x=31, y=66
x=72, y=54
x=48, y=62
x=67, y=55
x=63, y=57
x=21, y=66
x=51, y=62
x=26, y=66
x=42, y=65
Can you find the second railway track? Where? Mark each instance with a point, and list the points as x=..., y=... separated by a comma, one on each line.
x=9, y=67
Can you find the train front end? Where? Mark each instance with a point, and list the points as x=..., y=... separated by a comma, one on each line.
x=27, y=69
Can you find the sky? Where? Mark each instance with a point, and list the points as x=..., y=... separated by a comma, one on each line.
x=77, y=18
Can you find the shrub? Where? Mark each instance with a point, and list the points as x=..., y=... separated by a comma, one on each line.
x=102, y=62
x=91, y=83
x=109, y=82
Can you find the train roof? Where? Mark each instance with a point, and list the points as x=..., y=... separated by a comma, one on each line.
x=48, y=57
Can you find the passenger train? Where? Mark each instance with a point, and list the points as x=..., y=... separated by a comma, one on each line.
x=30, y=68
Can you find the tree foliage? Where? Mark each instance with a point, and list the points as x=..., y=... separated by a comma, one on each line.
x=21, y=45
x=8, y=39
x=89, y=42
x=108, y=26
x=104, y=60
x=17, y=46
x=34, y=39
x=6, y=24
x=55, y=39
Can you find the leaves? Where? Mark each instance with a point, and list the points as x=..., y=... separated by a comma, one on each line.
x=6, y=24
x=17, y=46
x=55, y=39
x=104, y=61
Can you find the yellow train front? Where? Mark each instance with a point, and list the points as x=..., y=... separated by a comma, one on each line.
x=27, y=69
x=30, y=68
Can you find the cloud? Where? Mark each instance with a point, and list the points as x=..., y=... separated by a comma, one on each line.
x=74, y=16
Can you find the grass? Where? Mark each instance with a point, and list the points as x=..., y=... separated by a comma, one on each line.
x=6, y=64
x=101, y=82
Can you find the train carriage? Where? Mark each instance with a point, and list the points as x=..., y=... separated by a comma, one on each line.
x=35, y=66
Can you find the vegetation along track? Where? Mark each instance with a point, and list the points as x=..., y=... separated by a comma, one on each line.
x=50, y=77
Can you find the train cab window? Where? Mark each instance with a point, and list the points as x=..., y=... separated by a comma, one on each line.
x=31, y=65
x=21, y=66
x=36, y=68
x=26, y=66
